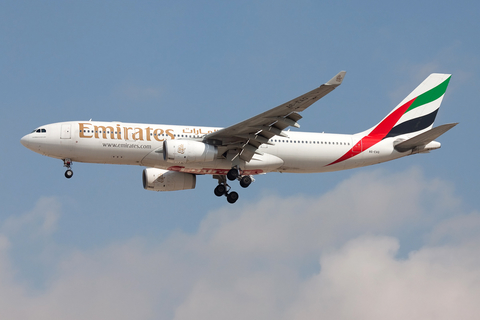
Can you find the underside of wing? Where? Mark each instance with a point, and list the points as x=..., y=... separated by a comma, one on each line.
x=245, y=137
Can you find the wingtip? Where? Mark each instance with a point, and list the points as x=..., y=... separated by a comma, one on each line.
x=337, y=79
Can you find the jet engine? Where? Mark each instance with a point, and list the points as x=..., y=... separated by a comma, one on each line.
x=164, y=180
x=184, y=151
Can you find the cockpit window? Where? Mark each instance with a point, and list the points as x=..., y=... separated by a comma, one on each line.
x=41, y=130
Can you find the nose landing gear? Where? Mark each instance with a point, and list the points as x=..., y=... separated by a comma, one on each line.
x=67, y=163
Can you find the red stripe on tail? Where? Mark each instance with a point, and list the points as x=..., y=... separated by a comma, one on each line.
x=378, y=133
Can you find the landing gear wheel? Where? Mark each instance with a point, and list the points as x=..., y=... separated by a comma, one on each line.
x=232, y=174
x=232, y=197
x=220, y=190
x=245, y=181
x=67, y=163
x=68, y=174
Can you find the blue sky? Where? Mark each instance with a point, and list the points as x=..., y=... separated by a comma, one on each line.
x=293, y=246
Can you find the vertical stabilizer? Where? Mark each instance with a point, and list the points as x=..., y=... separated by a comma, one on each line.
x=417, y=112
x=413, y=116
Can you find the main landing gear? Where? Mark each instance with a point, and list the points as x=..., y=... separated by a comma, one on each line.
x=223, y=189
x=67, y=163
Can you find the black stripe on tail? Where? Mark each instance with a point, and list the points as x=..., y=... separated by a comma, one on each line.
x=413, y=125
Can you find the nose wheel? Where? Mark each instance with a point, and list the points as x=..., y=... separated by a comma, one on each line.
x=68, y=174
x=67, y=163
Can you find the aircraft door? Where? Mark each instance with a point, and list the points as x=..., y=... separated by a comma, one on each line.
x=357, y=148
x=65, y=132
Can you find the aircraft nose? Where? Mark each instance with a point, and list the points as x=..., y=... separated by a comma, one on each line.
x=25, y=140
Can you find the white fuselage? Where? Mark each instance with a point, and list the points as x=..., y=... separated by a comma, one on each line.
x=142, y=144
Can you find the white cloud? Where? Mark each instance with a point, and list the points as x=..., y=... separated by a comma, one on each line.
x=461, y=228
x=374, y=202
x=41, y=221
x=363, y=280
x=332, y=256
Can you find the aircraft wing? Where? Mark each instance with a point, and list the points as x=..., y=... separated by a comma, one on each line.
x=247, y=136
x=424, y=138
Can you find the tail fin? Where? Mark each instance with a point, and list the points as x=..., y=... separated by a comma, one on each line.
x=412, y=117
x=417, y=112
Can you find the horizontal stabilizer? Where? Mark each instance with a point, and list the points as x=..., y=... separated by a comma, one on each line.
x=424, y=138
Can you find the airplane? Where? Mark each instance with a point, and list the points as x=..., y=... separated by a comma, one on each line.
x=175, y=155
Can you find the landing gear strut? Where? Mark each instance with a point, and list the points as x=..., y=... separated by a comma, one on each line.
x=67, y=163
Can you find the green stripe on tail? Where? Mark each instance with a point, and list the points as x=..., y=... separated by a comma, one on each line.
x=431, y=95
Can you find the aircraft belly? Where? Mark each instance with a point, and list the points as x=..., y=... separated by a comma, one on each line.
x=258, y=164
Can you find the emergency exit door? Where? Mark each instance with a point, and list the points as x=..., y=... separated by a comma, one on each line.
x=65, y=133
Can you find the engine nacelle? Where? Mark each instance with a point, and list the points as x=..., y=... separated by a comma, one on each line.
x=164, y=180
x=184, y=151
